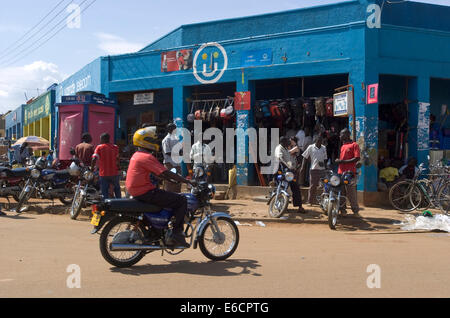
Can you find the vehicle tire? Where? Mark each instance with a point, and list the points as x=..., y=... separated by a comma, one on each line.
x=444, y=198
x=77, y=204
x=425, y=203
x=104, y=243
x=277, y=209
x=405, y=196
x=219, y=239
x=333, y=213
x=23, y=199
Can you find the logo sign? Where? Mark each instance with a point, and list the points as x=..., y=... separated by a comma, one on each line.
x=372, y=94
x=242, y=101
x=144, y=99
x=343, y=104
x=210, y=63
x=256, y=58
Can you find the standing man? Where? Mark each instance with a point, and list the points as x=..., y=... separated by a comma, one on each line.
x=107, y=155
x=349, y=157
x=316, y=155
x=85, y=150
x=168, y=144
x=284, y=157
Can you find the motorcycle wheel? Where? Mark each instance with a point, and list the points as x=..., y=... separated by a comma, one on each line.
x=115, y=226
x=333, y=212
x=219, y=246
x=23, y=199
x=77, y=204
x=278, y=208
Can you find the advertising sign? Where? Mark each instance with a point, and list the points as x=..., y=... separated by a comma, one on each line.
x=256, y=58
x=37, y=109
x=173, y=61
x=144, y=98
x=242, y=101
x=343, y=104
x=372, y=94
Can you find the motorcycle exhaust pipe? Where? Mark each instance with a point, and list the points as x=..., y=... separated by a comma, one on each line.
x=136, y=247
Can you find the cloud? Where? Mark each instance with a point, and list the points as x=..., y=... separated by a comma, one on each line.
x=29, y=79
x=112, y=44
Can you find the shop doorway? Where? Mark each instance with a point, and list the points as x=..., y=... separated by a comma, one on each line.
x=301, y=104
x=214, y=106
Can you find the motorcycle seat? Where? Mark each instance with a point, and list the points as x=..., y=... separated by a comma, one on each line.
x=130, y=206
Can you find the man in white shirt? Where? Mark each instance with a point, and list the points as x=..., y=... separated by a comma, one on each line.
x=168, y=144
x=316, y=154
x=283, y=156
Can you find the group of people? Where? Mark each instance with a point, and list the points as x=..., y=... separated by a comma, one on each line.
x=293, y=155
x=391, y=173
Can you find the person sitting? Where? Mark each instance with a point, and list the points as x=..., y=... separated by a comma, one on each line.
x=388, y=176
x=139, y=185
x=409, y=170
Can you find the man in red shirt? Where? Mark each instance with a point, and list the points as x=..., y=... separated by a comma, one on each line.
x=139, y=185
x=107, y=155
x=349, y=157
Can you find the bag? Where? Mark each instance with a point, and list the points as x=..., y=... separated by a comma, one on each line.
x=310, y=109
x=275, y=111
x=320, y=106
x=204, y=113
x=266, y=109
x=191, y=116
x=209, y=117
x=259, y=115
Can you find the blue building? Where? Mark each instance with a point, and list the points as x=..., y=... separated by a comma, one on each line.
x=13, y=124
x=395, y=57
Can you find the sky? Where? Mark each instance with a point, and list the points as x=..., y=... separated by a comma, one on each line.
x=29, y=64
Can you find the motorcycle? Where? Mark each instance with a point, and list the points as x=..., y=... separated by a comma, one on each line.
x=132, y=229
x=86, y=193
x=331, y=200
x=279, y=197
x=12, y=181
x=46, y=184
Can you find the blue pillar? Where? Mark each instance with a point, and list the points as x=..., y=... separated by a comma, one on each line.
x=244, y=119
x=419, y=118
x=181, y=96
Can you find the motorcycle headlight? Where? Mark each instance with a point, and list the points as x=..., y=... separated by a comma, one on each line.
x=88, y=175
x=35, y=173
x=335, y=181
x=289, y=176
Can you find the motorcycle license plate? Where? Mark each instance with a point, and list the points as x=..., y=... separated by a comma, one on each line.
x=95, y=221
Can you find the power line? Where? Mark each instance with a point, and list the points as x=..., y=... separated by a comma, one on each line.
x=13, y=46
x=18, y=58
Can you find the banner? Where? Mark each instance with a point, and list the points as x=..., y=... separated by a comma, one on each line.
x=256, y=58
x=173, y=61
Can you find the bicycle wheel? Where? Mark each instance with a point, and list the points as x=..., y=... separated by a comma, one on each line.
x=405, y=196
x=444, y=198
x=425, y=201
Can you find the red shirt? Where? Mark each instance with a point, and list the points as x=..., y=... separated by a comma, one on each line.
x=142, y=164
x=349, y=151
x=106, y=155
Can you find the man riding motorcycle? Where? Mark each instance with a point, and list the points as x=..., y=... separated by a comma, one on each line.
x=139, y=185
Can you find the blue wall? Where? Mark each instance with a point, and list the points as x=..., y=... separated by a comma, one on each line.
x=13, y=123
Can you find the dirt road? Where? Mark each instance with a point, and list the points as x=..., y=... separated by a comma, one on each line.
x=297, y=258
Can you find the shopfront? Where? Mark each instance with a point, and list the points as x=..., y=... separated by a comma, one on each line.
x=297, y=60
x=39, y=117
x=13, y=124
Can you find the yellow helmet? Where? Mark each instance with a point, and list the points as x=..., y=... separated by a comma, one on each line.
x=146, y=138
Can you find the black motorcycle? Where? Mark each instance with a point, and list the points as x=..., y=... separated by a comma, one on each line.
x=279, y=196
x=332, y=200
x=133, y=229
x=46, y=184
x=87, y=191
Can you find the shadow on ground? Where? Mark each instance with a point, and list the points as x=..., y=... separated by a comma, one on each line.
x=225, y=268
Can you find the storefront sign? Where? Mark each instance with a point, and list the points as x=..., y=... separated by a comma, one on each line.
x=343, y=104
x=87, y=99
x=256, y=58
x=144, y=98
x=242, y=101
x=210, y=63
x=176, y=61
x=37, y=109
x=372, y=94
